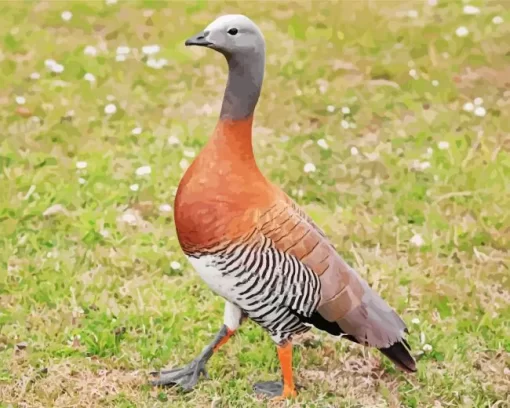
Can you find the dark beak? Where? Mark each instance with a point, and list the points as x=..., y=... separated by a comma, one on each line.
x=199, y=40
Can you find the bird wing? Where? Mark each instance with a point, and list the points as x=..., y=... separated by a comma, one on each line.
x=345, y=297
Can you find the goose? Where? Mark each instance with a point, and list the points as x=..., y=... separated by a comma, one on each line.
x=253, y=245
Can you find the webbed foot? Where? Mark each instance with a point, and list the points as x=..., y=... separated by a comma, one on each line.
x=274, y=390
x=187, y=377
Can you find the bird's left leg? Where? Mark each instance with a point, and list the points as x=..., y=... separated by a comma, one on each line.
x=187, y=376
x=276, y=389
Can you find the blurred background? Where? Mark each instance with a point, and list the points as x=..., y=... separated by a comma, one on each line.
x=386, y=120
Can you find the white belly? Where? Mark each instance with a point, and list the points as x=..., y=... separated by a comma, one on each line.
x=267, y=312
x=220, y=284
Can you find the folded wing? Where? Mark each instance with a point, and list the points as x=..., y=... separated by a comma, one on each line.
x=346, y=299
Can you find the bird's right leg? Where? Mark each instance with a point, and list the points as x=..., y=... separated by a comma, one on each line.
x=187, y=376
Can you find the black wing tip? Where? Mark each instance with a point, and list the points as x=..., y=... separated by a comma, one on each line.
x=399, y=354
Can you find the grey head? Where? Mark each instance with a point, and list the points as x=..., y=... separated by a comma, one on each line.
x=242, y=43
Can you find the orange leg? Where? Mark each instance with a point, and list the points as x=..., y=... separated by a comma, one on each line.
x=275, y=389
x=285, y=356
x=223, y=340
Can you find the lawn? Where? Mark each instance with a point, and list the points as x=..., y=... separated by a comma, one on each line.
x=398, y=112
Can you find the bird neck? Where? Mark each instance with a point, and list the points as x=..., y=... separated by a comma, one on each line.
x=232, y=142
x=245, y=76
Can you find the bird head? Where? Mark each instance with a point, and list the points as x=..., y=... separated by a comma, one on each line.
x=231, y=35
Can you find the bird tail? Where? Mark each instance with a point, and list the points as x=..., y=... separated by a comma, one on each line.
x=399, y=354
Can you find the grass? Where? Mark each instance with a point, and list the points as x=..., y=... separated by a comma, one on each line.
x=413, y=190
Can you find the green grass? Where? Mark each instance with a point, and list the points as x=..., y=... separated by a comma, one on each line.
x=90, y=304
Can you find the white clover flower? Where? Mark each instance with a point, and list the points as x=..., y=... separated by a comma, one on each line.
x=123, y=50
x=189, y=153
x=344, y=124
x=120, y=58
x=461, y=31
x=53, y=66
x=346, y=110
x=143, y=170
x=424, y=165
x=309, y=168
x=111, y=2
x=427, y=348
x=480, y=111
x=58, y=68
x=136, y=131
x=110, y=109
x=81, y=180
x=165, y=208
x=184, y=164
x=157, y=63
x=173, y=140
x=35, y=75
x=90, y=50
x=478, y=101
x=471, y=10
x=89, y=77
x=432, y=3
x=435, y=82
x=415, y=321
x=152, y=63
x=129, y=218
x=497, y=20
x=81, y=165
x=322, y=143
x=134, y=187
x=66, y=15
x=417, y=240
x=468, y=107
x=175, y=265
x=49, y=63
x=354, y=151
x=330, y=108
x=413, y=73
x=443, y=145
x=150, y=49
x=20, y=100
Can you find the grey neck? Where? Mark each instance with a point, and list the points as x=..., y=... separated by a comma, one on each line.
x=245, y=76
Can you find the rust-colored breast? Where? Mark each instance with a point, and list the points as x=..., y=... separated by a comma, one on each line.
x=220, y=196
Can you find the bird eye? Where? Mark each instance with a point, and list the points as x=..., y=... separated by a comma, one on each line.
x=232, y=31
